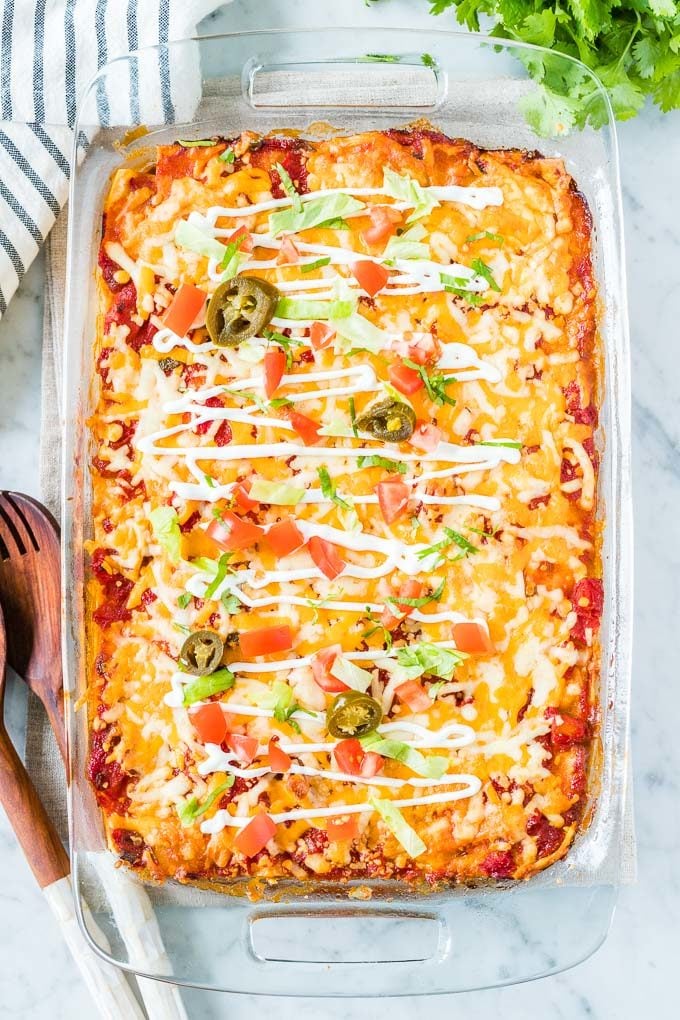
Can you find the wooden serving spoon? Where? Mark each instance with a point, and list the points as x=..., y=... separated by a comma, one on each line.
x=30, y=591
x=50, y=865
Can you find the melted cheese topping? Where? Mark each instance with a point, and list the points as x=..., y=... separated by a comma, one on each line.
x=512, y=476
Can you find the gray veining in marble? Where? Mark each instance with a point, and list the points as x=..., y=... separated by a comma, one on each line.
x=633, y=974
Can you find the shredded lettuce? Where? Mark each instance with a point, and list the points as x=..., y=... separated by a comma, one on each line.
x=280, y=700
x=399, y=827
x=354, y=332
x=276, y=493
x=406, y=189
x=193, y=239
x=191, y=809
x=220, y=574
x=427, y=658
x=431, y=767
x=205, y=686
x=165, y=525
x=289, y=187
x=408, y=245
x=374, y=460
x=337, y=426
x=314, y=212
x=304, y=308
x=355, y=677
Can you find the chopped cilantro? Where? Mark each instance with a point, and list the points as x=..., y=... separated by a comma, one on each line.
x=228, y=156
x=184, y=599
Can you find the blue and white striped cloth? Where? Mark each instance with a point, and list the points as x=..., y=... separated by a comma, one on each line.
x=49, y=51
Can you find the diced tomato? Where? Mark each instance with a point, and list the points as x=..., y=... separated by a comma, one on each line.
x=404, y=379
x=306, y=428
x=384, y=222
x=370, y=276
x=394, y=614
x=349, y=755
x=279, y=761
x=426, y=436
x=548, y=837
x=473, y=638
x=371, y=764
x=423, y=351
x=320, y=335
x=241, y=498
x=255, y=836
x=245, y=238
x=265, y=641
x=587, y=600
x=184, y=308
x=344, y=828
x=326, y=557
x=413, y=695
x=284, y=538
x=393, y=497
x=209, y=723
x=498, y=864
x=232, y=533
x=224, y=435
x=245, y=748
x=274, y=367
x=569, y=732
x=288, y=253
x=322, y=663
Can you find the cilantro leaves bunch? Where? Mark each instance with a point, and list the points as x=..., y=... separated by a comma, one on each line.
x=633, y=46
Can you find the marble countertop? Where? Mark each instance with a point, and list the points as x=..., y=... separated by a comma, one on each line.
x=632, y=974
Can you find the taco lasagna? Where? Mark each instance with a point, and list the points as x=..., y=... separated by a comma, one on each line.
x=345, y=577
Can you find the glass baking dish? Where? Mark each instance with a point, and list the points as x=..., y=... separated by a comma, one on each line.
x=325, y=939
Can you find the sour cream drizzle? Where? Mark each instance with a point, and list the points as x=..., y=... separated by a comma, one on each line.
x=410, y=277
x=475, y=198
x=222, y=819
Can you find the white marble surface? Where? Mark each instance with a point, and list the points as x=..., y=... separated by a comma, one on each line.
x=634, y=973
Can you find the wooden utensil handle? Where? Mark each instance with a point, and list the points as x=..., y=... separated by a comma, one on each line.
x=34, y=830
x=53, y=701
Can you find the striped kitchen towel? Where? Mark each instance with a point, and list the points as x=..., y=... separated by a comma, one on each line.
x=49, y=51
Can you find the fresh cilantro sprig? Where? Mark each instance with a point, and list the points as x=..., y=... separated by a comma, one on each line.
x=633, y=48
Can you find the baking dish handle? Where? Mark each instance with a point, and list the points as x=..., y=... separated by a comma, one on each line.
x=387, y=82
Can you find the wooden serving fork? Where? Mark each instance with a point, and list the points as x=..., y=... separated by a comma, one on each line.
x=50, y=865
x=30, y=591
